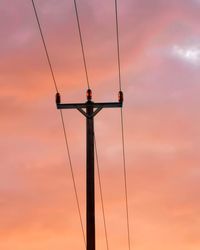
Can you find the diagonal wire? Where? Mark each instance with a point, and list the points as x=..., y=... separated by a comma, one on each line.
x=101, y=192
x=125, y=180
x=72, y=173
x=95, y=144
x=62, y=120
x=81, y=42
x=118, y=49
x=122, y=126
x=45, y=47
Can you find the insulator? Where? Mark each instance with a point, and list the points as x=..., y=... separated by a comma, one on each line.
x=120, y=96
x=58, y=98
x=89, y=94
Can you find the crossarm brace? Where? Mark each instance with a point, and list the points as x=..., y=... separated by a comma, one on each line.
x=81, y=106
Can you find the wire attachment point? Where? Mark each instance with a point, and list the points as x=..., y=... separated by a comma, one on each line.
x=89, y=94
x=120, y=96
x=58, y=98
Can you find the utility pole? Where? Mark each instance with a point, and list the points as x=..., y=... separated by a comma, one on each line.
x=89, y=109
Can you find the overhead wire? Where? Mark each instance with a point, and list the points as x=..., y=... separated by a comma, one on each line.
x=72, y=174
x=45, y=46
x=101, y=192
x=81, y=42
x=122, y=127
x=95, y=143
x=118, y=49
x=62, y=120
x=125, y=180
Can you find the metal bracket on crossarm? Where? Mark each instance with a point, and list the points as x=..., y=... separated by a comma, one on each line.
x=89, y=116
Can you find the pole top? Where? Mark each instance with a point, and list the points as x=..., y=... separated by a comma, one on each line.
x=89, y=94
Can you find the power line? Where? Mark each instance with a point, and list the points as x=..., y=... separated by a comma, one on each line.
x=118, y=50
x=101, y=192
x=122, y=126
x=62, y=120
x=95, y=144
x=72, y=172
x=81, y=42
x=45, y=47
x=125, y=180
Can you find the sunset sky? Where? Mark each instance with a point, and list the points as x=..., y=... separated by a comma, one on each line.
x=160, y=63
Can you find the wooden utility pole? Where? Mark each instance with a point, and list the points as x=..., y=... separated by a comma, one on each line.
x=89, y=109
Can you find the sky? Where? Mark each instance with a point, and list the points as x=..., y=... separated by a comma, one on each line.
x=160, y=62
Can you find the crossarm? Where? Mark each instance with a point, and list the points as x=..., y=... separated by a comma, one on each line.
x=89, y=104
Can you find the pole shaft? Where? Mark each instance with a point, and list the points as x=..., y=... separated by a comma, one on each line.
x=90, y=180
x=90, y=185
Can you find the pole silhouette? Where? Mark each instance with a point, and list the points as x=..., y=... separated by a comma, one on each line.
x=89, y=109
